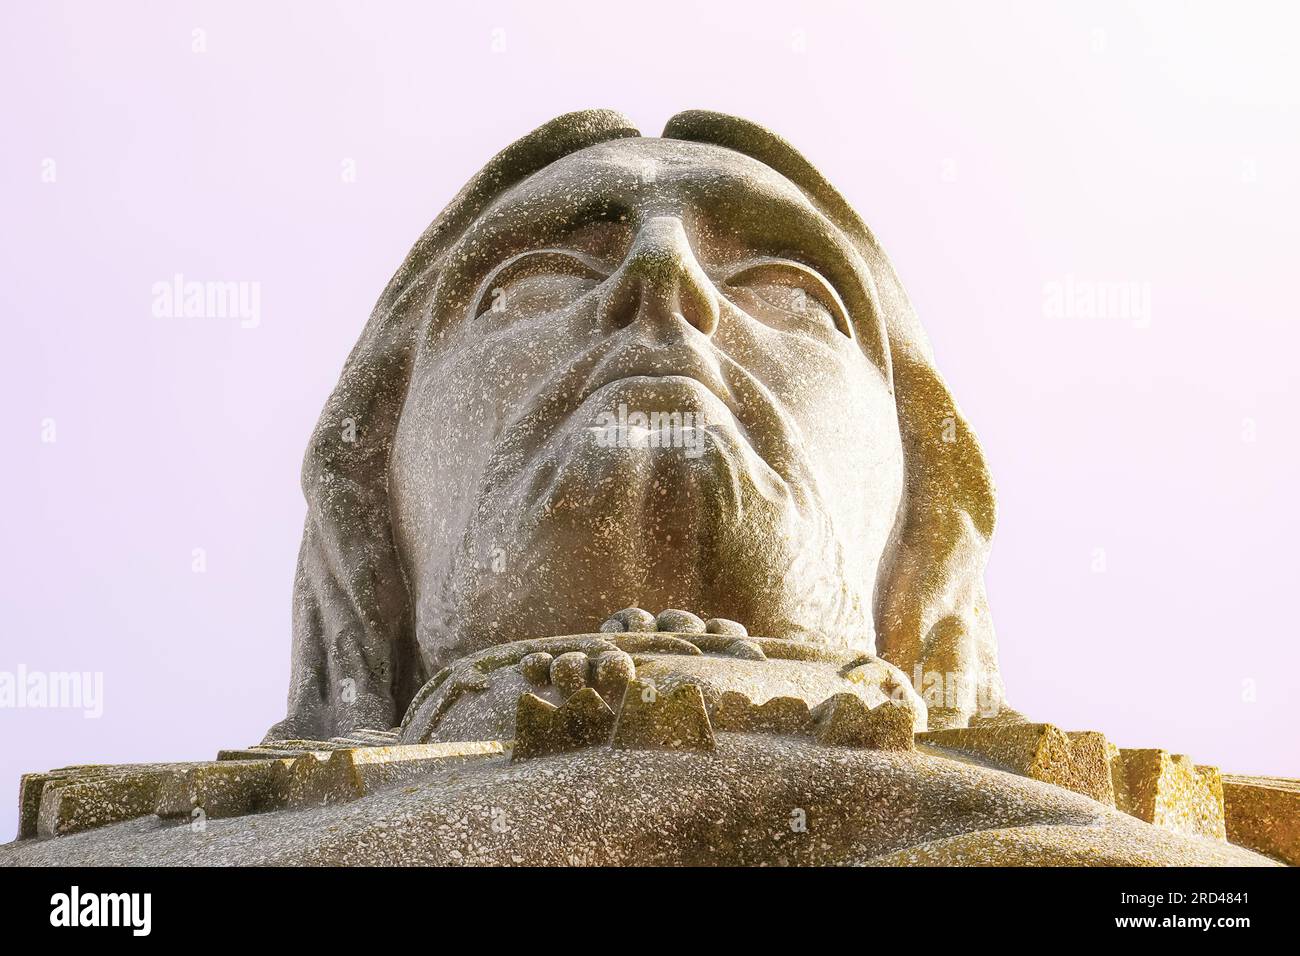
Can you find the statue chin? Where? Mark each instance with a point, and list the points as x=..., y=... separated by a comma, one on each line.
x=610, y=517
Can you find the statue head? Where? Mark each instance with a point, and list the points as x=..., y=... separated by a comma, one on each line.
x=620, y=370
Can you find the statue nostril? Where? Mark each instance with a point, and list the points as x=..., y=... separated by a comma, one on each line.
x=661, y=280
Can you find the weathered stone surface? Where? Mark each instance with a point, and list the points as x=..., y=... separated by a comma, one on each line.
x=378, y=736
x=732, y=712
x=71, y=799
x=367, y=738
x=534, y=722
x=284, y=748
x=1263, y=814
x=1089, y=770
x=317, y=783
x=536, y=668
x=29, y=803
x=611, y=673
x=779, y=715
x=541, y=728
x=630, y=619
x=658, y=644
x=679, y=622
x=845, y=721
x=747, y=650
x=782, y=715
x=1169, y=791
x=350, y=774
x=1076, y=761
x=720, y=625
x=569, y=672
x=295, y=744
x=381, y=766
x=674, y=720
x=258, y=752
x=71, y=804
x=604, y=806
x=869, y=671
x=813, y=681
x=487, y=710
x=228, y=788
x=1105, y=844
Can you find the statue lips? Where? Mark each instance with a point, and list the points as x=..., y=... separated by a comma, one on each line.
x=649, y=378
x=739, y=425
x=741, y=437
x=682, y=379
x=664, y=364
x=659, y=393
x=740, y=415
x=759, y=445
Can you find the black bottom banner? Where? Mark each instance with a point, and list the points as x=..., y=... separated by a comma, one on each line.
x=336, y=905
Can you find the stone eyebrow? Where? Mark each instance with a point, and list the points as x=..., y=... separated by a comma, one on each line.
x=559, y=214
x=499, y=227
x=786, y=224
x=778, y=219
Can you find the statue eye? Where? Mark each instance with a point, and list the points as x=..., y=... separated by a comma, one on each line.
x=508, y=281
x=793, y=288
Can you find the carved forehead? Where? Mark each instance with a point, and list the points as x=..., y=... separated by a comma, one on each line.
x=670, y=160
x=715, y=189
x=638, y=171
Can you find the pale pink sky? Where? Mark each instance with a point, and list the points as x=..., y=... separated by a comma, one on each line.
x=999, y=150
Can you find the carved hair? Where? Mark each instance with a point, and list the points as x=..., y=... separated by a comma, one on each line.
x=356, y=662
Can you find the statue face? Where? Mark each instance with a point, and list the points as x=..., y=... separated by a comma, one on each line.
x=655, y=375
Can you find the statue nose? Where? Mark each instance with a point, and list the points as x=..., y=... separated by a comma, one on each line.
x=660, y=279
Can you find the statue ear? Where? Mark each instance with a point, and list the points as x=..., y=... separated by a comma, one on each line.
x=930, y=607
x=356, y=661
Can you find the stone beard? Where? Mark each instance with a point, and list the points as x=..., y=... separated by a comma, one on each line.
x=616, y=371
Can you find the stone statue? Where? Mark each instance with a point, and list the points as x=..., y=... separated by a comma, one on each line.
x=827, y=489
x=642, y=529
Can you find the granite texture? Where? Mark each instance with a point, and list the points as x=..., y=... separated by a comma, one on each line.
x=676, y=372
x=754, y=799
x=1169, y=790
x=1263, y=813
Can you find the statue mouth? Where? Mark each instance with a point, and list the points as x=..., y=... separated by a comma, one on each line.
x=674, y=402
x=677, y=398
x=664, y=395
x=676, y=373
x=658, y=412
x=645, y=384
